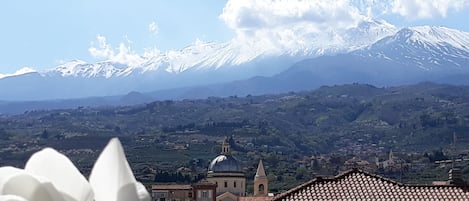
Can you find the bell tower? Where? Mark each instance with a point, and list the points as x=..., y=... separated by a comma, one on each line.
x=225, y=147
x=261, y=184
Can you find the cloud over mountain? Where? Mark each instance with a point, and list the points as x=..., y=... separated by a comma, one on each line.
x=124, y=54
x=424, y=9
x=288, y=24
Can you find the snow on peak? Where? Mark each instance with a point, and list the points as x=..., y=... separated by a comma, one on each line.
x=78, y=68
x=427, y=47
x=436, y=35
x=22, y=71
x=242, y=49
x=368, y=32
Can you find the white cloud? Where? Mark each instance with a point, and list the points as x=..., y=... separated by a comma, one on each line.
x=248, y=15
x=127, y=56
x=293, y=24
x=289, y=24
x=103, y=50
x=426, y=9
x=371, y=8
x=124, y=53
x=21, y=71
x=153, y=28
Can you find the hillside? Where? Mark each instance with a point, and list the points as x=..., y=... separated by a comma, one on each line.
x=333, y=121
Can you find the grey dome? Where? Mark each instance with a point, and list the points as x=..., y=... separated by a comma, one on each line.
x=224, y=163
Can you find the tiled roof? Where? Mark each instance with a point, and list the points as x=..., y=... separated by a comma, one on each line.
x=171, y=187
x=359, y=185
x=255, y=198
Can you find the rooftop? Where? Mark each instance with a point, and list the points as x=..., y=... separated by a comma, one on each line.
x=255, y=198
x=224, y=163
x=360, y=185
x=171, y=187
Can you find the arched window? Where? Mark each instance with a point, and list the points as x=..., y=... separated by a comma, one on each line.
x=261, y=187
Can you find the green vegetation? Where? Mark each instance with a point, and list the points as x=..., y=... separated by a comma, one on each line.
x=298, y=135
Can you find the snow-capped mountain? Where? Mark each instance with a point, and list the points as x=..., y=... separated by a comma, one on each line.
x=213, y=56
x=201, y=63
x=427, y=47
x=78, y=68
x=414, y=54
x=372, y=51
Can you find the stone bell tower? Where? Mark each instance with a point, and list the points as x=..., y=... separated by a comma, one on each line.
x=261, y=184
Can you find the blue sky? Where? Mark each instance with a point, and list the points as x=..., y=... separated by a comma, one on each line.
x=43, y=34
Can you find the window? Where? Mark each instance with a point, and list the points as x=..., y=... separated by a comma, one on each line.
x=204, y=194
x=162, y=199
x=234, y=184
x=190, y=194
x=261, y=187
x=226, y=184
x=161, y=195
x=209, y=193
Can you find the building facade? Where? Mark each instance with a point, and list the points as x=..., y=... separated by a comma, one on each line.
x=226, y=173
x=202, y=191
x=171, y=193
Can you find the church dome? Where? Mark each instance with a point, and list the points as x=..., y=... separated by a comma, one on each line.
x=224, y=163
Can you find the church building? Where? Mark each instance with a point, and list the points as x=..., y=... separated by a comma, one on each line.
x=225, y=182
x=226, y=172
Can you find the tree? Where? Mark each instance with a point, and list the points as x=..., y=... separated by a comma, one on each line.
x=301, y=173
x=44, y=134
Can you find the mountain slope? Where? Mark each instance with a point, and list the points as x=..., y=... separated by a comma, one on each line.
x=411, y=55
x=429, y=48
x=407, y=56
x=215, y=56
x=196, y=65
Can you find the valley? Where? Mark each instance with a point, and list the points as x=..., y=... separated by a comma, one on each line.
x=234, y=100
x=299, y=135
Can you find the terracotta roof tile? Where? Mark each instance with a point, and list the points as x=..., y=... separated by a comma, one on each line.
x=359, y=185
x=171, y=187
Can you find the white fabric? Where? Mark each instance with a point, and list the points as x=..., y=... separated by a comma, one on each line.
x=11, y=198
x=111, y=177
x=62, y=173
x=51, y=176
x=14, y=181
